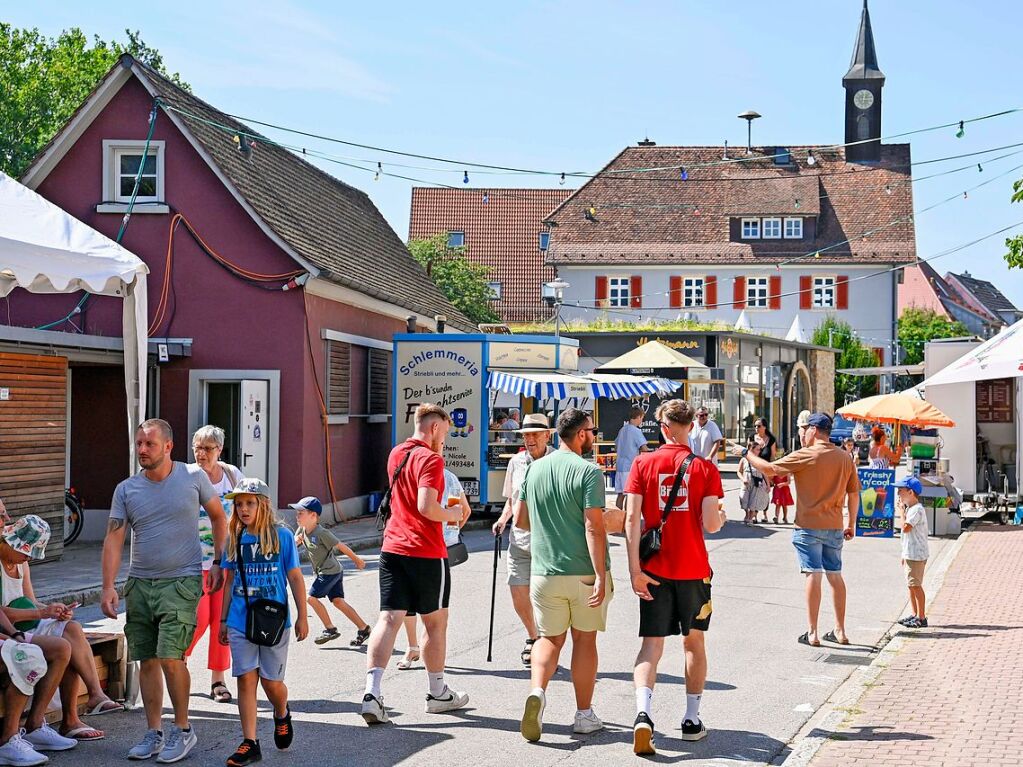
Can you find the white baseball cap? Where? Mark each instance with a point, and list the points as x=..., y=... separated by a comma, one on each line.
x=25, y=664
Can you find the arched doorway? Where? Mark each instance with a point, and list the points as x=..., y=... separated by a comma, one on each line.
x=798, y=397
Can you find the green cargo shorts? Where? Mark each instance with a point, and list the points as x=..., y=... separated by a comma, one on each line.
x=160, y=616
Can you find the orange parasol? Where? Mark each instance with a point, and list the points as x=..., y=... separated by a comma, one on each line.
x=897, y=409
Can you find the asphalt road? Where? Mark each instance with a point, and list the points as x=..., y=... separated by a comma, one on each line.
x=762, y=685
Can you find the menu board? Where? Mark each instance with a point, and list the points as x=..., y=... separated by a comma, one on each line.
x=994, y=401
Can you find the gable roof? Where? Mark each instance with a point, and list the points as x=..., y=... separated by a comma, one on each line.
x=331, y=228
x=502, y=234
x=986, y=294
x=653, y=216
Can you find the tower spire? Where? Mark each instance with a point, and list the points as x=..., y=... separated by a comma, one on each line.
x=864, y=59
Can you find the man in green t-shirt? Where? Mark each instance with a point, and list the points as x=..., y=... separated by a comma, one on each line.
x=561, y=502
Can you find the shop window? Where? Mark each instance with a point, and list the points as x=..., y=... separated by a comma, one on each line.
x=772, y=229
x=756, y=292
x=378, y=381
x=824, y=293
x=793, y=228
x=339, y=378
x=751, y=229
x=692, y=292
x=618, y=291
x=456, y=239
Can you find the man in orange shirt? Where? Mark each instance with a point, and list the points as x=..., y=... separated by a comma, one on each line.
x=826, y=482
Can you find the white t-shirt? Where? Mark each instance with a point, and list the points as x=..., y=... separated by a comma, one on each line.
x=703, y=439
x=221, y=488
x=914, y=543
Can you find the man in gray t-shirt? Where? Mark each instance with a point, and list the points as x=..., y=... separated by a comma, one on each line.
x=161, y=507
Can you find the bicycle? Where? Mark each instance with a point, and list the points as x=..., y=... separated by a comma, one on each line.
x=74, y=516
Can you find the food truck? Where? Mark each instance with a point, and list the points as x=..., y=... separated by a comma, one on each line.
x=473, y=376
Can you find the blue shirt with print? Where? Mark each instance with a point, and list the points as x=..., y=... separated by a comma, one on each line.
x=267, y=576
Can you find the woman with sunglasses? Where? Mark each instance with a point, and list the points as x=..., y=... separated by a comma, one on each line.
x=766, y=447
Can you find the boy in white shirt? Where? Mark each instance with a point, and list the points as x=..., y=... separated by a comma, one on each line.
x=915, y=550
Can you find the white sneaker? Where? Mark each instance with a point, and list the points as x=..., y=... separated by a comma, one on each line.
x=18, y=751
x=373, y=710
x=48, y=739
x=531, y=726
x=179, y=743
x=586, y=723
x=448, y=701
x=150, y=745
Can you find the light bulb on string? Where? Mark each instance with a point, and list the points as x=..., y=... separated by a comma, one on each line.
x=683, y=174
x=797, y=203
x=380, y=169
x=486, y=197
x=817, y=254
x=980, y=168
x=966, y=196
x=887, y=188
x=465, y=178
x=562, y=180
x=810, y=159
x=696, y=210
x=962, y=130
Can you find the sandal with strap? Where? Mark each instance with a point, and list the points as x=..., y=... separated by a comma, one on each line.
x=220, y=693
x=526, y=655
x=411, y=656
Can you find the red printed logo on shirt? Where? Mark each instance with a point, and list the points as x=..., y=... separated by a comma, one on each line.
x=667, y=481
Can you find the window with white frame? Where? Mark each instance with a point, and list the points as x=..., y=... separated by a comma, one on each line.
x=495, y=291
x=751, y=229
x=824, y=293
x=456, y=239
x=122, y=161
x=793, y=228
x=692, y=292
x=618, y=291
x=756, y=292
x=772, y=229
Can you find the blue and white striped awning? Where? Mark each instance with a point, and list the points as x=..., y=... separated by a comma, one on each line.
x=564, y=385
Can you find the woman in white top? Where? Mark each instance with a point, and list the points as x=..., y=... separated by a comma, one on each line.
x=881, y=456
x=207, y=445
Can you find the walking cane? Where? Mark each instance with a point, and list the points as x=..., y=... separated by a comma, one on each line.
x=498, y=541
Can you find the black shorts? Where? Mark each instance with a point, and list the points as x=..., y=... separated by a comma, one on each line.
x=330, y=586
x=676, y=607
x=414, y=584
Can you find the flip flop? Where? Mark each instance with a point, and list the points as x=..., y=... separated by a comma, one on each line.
x=104, y=707
x=84, y=734
x=804, y=638
x=830, y=637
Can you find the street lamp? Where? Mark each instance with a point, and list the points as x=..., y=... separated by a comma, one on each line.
x=557, y=288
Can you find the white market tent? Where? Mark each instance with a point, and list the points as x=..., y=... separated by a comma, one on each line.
x=743, y=322
x=796, y=332
x=998, y=357
x=565, y=385
x=43, y=249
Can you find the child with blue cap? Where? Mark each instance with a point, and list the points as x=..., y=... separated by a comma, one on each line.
x=915, y=550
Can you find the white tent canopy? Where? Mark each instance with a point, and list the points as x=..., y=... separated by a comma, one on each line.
x=796, y=332
x=45, y=250
x=998, y=357
x=743, y=322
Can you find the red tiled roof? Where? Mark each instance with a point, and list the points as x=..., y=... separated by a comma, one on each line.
x=656, y=215
x=502, y=233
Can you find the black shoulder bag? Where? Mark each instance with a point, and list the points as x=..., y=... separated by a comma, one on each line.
x=264, y=618
x=650, y=542
x=384, y=510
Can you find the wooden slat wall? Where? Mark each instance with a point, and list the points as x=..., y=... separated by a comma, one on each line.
x=33, y=439
x=339, y=370
x=379, y=382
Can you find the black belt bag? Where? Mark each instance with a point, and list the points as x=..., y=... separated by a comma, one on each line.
x=265, y=619
x=650, y=541
x=458, y=553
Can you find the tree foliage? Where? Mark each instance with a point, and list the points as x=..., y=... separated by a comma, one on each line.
x=1015, y=244
x=464, y=283
x=852, y=354
x=43, y=80
x=918, y=326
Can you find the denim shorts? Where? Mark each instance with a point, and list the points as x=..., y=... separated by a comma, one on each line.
x=819, y=551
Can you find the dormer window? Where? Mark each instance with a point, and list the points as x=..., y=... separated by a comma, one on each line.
x=793, y=228
x=751, y=229
x=782, y=156
x=772, y=229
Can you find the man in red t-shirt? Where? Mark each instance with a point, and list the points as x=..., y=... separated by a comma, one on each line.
x=414, y=572
x=674, y=584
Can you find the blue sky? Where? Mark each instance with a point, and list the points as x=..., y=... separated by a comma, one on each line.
x=564, y=86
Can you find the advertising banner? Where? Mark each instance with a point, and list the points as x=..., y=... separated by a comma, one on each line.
x=876, y=517
x=450, y=375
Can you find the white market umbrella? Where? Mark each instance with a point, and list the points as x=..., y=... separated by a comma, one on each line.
x=796, y=332
x=998, y=357
x=43, y=249
x=743, y=322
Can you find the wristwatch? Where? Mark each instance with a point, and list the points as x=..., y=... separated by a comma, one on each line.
x=744, y=451
x=216, y=562
x=17, y=634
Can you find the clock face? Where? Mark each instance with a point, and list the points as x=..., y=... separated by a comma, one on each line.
x=863, y=99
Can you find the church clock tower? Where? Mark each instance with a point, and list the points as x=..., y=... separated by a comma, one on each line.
x=863, y=83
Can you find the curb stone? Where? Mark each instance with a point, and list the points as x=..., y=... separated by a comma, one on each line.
x=828, y=719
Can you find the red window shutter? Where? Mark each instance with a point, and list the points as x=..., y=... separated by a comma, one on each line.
x=710, y=292
x=775, y=292
x=879, y=355
x=600, y=292
x=739, y=293
x=806, y=292
x=636, y=292
x=675, y=292
x=842, y=292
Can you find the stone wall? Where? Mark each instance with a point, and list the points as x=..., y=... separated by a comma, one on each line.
x=822, y=378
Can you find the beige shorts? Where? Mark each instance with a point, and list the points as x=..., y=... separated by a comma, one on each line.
x=518, y=565
x=560, y=603
x=915, y=572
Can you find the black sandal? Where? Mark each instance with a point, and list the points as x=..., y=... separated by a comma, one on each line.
x=220, y=693
x=527, y=653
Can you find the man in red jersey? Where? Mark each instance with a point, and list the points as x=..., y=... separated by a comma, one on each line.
x=673, y=584
x=414, y=573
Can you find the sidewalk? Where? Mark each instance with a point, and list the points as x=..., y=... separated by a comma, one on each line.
x=952, y=694
x=77, y=576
